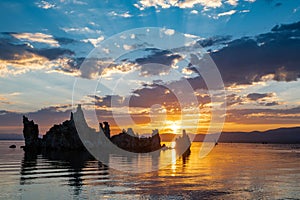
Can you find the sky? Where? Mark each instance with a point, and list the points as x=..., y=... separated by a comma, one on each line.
x=144, y=63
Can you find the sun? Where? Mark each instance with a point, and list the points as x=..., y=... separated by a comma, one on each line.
x=174, y=127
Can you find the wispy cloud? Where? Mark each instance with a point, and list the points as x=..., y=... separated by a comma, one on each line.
x=124, y=15
x=45, y=5
x=80, y=30
x=37, y=37
x=142, y=4
x=228, y=13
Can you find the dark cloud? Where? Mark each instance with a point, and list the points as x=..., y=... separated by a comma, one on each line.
x=64, y=41
x=12, y=51
x=207, y=42
x=287, y=27
x=157, y=94
x=51, y=53
x=75, y=63
x=108, y=101
x=150, y=94
x=143, y=98
x=233, y=99
x=247, y=60
x=158, y=62
x=273, y=103
x=257, y=96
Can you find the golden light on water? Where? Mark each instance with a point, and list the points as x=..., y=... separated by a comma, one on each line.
x=172, y=145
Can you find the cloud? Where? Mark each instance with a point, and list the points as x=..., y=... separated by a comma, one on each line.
x=263, y=99
x=165, y=4
x=20, y=58
x=287, y=27
x=282, y=74
x=53, y=53
x=45, y=5
x=194, y=12
x=80, y=30
x=79, y=2
x=127, y=47
x=95, y=41
x=233, y=99
x=168, y=31
x=4, y=100
x=270, y=116
x=273, y=103
x=231, y=12
x=37, y=37
x=65, y=41
x=108, y=101
x=247, y=60
x=205, y=3
x=158, y=62
x=124, y=15
x=232, y=2
x=142, y=4
x=257, y=96
x=215, y=40
x=244, y=11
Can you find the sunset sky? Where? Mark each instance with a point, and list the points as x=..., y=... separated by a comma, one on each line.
x=254, y=44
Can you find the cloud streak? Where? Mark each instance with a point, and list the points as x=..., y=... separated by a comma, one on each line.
x=37, y=37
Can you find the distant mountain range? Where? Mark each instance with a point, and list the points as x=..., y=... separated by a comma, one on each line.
x=280, y=135
x=11, y=136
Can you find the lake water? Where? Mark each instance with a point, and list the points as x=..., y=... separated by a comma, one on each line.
x=230, y=171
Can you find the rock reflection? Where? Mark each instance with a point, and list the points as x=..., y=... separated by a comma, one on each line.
x=70, y=165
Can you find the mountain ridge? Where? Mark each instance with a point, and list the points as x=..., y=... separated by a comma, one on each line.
x=279, y=135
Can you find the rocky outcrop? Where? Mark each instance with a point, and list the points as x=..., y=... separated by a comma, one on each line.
x=131, y=142
x=59, y=137
x=31, y=135
x=65, y=136
x=105, y=129
x=183, y=144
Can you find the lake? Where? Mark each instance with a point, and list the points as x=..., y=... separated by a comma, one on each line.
x=230, y=171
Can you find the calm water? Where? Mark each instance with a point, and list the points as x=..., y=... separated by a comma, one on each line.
x=230, y=171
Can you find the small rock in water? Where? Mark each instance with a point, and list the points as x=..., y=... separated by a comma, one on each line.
x=12, y=146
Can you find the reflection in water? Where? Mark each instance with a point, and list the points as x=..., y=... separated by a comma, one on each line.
x=231, y=171
x=28, y=164
x=42, y=166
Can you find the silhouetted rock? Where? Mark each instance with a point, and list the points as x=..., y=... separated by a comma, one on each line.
x=131, y=142
x=13, y=146
x=105, y=129
x=183, y=144
x=65, y=136
x=31, y=134
x=59, y=137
